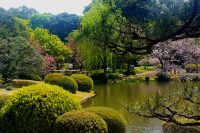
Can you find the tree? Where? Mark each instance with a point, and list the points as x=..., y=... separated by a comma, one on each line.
x=177, y=54
x=60, y=25
x=182, y=104
x=10, y=26
x=18, y=57
x=51, y=44
x=138, y=25
x=23, y=12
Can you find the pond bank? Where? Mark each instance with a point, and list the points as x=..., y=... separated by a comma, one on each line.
x=82, y=96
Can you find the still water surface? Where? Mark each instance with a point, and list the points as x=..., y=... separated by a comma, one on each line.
x=113, y=95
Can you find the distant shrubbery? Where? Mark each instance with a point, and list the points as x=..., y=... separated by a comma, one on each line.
x=17, y=83
x=84, y=82
x=192, y=68
x=114, y=120
x=66, y=82
x=80, y=122
x=35, y=108
x=30, y=77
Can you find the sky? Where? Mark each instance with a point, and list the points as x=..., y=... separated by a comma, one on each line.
x=49, y=6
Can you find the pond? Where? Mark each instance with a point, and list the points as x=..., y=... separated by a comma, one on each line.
x=113, y=95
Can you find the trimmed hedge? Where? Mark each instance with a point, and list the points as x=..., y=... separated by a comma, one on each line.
x=52, y=78
x=84, y=82
x=68, y=83
x=80, y=122
x=34, y=109
x=115, y=121
x=18, y=83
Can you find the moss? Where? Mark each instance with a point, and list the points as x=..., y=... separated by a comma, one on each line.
x=115, y=121
x=80, y=122
x=35, y=108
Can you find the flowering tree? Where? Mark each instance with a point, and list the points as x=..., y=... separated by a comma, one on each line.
x=177, y=54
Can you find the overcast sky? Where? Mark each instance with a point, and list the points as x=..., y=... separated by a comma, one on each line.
x=50, y=6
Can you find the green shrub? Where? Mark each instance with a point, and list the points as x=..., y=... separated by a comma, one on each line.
x=35, y=108
x=3, y=100
x=68, y=83
x=30, y=77
x=52, y=78
x=192, y=68
x=115, y=121
x=80, y=122
x=84, y=82
x=18, y=83
x=98, y=77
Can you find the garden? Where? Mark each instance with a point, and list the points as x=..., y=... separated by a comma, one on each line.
x=119, y=67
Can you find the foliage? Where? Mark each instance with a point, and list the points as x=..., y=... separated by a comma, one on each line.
x=30, y=77
x=18, y=83
x=49, y=64
x=60, y=25
x=3, y=100
x=192, y=68
x=84, y=82
x=98, y=76
x=35, y=108
x=182, y=104
x=149, y=62
x=51, y=44
x=115, y=121
x=177, y=54
x=18, y=57
x=23, y=12
x=80, y=121
x=66, y=82
x=10, y=27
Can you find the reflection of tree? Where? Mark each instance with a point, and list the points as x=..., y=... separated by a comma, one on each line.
x=173, y=108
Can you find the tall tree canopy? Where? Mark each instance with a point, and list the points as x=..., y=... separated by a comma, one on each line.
x=60, y=25
x=138, y=25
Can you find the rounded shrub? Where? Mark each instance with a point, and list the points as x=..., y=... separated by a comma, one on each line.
x=80, y=122
x=68, y=83
x=84, y=82
x=52, y=78
x=116, y=123
x=34, y=109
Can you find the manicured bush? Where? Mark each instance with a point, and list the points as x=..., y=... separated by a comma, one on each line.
x=34, y=109
x=80, y=122
x=115, y=121
x=53, y=78
x=30, y=77
x=3, y=100
x=18, y=83
x=84, y=82
x=68, y=83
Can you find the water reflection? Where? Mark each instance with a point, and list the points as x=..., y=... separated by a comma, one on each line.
x=113, y=95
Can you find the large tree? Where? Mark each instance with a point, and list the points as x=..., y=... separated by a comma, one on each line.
x=138, y=25
x=18, y=57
